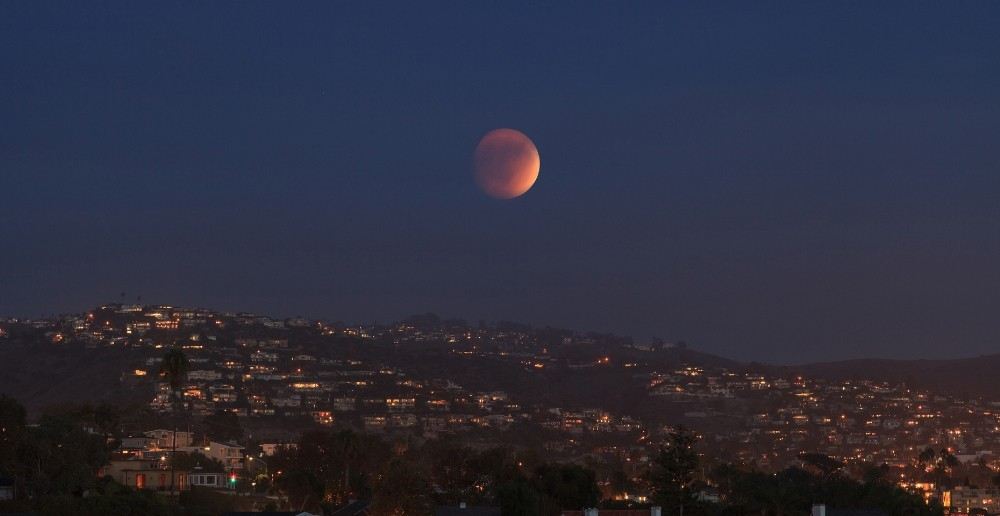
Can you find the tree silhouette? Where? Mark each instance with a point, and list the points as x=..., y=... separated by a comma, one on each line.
x=824, y=464
x=674, y=467
x=566, y=486
x=223, y=426
x=401, y=490
x=174, y=369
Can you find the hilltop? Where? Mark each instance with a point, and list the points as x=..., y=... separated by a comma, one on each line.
x=90, y=356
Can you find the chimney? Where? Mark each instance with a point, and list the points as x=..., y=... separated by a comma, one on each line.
x=655, y=511
x=819, y=509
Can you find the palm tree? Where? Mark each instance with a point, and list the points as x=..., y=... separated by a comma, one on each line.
x=174, y=368
x=944, y=466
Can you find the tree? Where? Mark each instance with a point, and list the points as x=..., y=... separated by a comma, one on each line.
x=674, y=467
x=401, y=490
x=947, y=459
x=794, y=490
x=55, y=465
x=566, y=486
x=451, y=467
x=824, y=464
x=108, y=499
x=302, y=487
x=348, y=446
x=58, y=458
x=106, y=418
x=926, y=457
x=199, y=501
x=327, y=469
x=13, y=427
x=12, y=415
x=944, y=465
x=876, y=475
x=223, y=426
x=518, y=498
x=621, y=483
x=174, y=369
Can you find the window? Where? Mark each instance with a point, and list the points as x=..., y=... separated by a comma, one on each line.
x=140, y=481
x=163, y=481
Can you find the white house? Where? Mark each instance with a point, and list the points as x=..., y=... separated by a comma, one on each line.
x=229, y=454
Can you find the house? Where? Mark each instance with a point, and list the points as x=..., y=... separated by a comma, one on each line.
x=822, y=510
x=269, y=513
x=165, y=438
x=373, y=423
x=357, y=508
x=204, y=375
x=270, y=449
x=224, y=393
x=343, y=404
x=145, y=474
x=968, y=499
x=229, y=454
x=198, y=478
x=136, y=443
x=6, y=488
x=466, y=510
x=652, y=511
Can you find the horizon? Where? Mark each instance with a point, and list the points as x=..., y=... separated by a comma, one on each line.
x=693, y=346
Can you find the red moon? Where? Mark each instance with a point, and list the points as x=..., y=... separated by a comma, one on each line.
x=506, y=163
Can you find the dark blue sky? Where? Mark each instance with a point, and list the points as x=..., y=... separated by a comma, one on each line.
x=772, y=181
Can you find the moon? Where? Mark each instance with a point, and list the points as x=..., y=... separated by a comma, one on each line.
x=506, y=163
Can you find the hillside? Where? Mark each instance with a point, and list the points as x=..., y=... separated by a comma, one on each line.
x=40, y=373
x=43, y=375
x=975, y=376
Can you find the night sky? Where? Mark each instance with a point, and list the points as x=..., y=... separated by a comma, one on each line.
x=785, y=183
